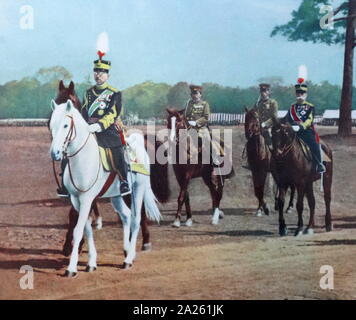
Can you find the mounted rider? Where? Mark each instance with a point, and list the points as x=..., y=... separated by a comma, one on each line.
x=196, y=113
x=267, y=110
x=301, y=116
x=101, y=108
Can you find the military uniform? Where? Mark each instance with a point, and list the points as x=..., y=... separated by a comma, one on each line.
x=302, y=115
x=102, y=105
x=267, y=111
x=198, y=112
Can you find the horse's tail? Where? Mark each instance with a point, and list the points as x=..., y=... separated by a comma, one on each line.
x=151, y=207
x=159, y=175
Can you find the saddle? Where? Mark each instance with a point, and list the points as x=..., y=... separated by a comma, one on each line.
x=107, y=161
x=307, y=152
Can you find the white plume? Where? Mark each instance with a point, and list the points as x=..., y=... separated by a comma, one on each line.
x=102, y=43
x=303, y=72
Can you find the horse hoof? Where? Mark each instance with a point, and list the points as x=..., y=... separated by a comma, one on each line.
x=215, y=221
x=259, y=213
x=126, y=265
x=146, y=247
x=99, y=223
x=289, y=210
x=221, y=214
x=329, y=228
x=189, y=223
x=309, y=231
x=70, y=274
x=90, y=269
x=283, y=232
x=298, y=233
x=176, y=224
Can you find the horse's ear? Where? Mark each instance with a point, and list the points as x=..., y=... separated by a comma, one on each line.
x=53, y=104
x=71, y=87
x=61, y=85
x=69, y=105
x=246, y=109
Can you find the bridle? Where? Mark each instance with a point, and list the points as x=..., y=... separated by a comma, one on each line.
x=285, y=149
x=70, y=137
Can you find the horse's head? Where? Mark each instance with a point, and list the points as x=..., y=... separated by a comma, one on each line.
x=283, y=136
x=252, y=123
x=175, y=121
x=62, y=129
x=64, y=94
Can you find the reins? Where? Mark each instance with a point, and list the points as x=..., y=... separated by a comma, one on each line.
x=69, y=138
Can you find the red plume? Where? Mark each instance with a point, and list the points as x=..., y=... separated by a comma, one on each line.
x=101, y=54
x=300, y=80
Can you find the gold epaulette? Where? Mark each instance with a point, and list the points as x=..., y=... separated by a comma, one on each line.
x=112, y=89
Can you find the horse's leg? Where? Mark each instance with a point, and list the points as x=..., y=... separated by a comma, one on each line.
x=73, y=218
x=216, y=189
x=84, y=209
x=327, y=182
x=311, y=203
x=259, y=181
x=283, y=230
x=98, y=217
x=291, y=199
x=146, y=244
x=183, y=183
x=300, y=207
x=189, y=221
x=91, y=247
x=125, y=214
x=138, y=190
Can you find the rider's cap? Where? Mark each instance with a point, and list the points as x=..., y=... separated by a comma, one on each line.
x=102, y=65
x=301, y=87
x=264, y=87
x=194, y=88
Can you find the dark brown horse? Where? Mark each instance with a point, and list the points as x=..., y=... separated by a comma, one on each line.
x=184, y=172
x=259, y=158
x=289, y=165
x=159, y=183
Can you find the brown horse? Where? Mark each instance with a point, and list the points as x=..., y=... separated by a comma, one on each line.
x=184, y=172
x=289, y=165
x=159, y=183
x=259, y=158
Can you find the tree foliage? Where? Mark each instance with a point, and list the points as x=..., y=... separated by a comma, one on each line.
x=305, y=24
x=30, y=98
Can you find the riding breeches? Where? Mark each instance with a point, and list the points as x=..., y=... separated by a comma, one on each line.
x=309, y=137
x=119, y=162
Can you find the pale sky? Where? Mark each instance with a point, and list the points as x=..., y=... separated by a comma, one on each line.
x=221, y=41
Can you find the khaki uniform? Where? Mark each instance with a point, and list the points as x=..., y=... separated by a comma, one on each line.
x=199, y=112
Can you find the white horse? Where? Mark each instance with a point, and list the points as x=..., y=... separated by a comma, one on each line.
x=84, y=177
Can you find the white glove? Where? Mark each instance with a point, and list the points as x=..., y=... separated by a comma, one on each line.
x=94, y=128
x=192, y=123
x=263, y=124
x=296, y=128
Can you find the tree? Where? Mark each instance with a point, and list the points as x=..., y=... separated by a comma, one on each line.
x=178, y=95
x=306, y=25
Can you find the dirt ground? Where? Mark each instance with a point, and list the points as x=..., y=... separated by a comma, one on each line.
x=241, y=258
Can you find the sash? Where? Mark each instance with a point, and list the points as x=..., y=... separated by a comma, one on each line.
x=294, y=114
x=100, y=101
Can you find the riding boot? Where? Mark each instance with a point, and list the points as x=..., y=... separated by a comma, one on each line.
x=121, y=168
